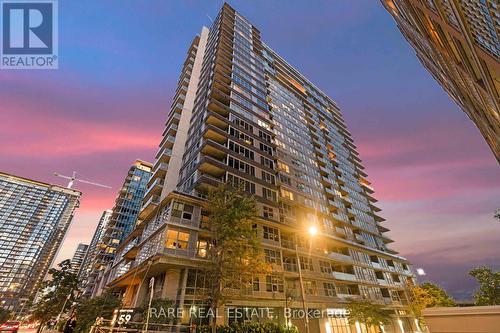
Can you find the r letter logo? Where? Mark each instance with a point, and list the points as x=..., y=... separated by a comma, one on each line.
x=29, y=34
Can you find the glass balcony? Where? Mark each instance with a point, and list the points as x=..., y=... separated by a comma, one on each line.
x=344, y=276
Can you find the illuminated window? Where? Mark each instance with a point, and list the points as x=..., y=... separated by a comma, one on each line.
x=282, y=166
x=202, y=248
x=263, y=124
x=177, y=240
x=286, y=194
x=337, y=325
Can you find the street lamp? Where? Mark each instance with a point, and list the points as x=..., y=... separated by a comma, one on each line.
x=313, y=230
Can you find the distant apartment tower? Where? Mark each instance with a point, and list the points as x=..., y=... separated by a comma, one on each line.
x=78, y=258
x=122, y=220
x=458, y=42
x=91, y=266
x=242, y=114
x=34, y=218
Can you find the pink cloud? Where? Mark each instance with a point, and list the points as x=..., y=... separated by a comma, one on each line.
x=430, y=161
x=53, y=136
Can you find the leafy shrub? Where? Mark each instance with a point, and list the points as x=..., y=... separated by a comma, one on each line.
x=248, y=328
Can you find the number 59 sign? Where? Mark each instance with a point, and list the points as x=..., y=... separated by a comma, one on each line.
x=122, y=316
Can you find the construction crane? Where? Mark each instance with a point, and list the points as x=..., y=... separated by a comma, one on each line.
x=74, y=178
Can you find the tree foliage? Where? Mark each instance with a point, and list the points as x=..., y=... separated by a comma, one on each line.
x=489, y=286
x=101, y=306
x=249, y=328
x=234, y=255
x=160, y=306
x=420, y=299
x=56, y=293
x=438, y=296
x=367, y=313
x=427, y=295
x=4, y=315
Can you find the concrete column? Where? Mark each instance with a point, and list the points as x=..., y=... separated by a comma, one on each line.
x=142, y=290
x=171, y=284
x=175, y=163
x=129, y=296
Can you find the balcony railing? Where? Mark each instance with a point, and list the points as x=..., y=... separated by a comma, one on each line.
x=154, y=200
x=149, y=205
x=289, y=267
x=160, y=167
x=344, y=276
x=339, y=257
x=288, y=244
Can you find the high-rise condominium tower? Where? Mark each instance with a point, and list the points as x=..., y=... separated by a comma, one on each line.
x=242, y=114
x=121, y=221
x=458, y=41
x=34, y=217
x=91, y=265
x=78, y=258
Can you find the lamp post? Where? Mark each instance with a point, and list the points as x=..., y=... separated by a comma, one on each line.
x=288, y=298
x=151, y=290
x=312, y=232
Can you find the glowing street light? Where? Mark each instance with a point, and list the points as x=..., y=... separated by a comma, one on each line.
x=313, y=230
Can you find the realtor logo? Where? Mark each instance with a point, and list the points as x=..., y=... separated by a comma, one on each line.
x=29, y=34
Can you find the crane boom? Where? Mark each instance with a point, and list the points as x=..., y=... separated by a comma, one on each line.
x=92, y=183
x=74, y=178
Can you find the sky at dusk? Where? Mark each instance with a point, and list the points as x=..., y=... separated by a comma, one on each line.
x=435, y=178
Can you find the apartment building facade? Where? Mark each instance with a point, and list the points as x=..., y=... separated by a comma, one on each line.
x=241, y=114
x=116, y=226
x=34, y=218
x=78, y=258
x=90, y=266
x=88, y=274
x=457, y=41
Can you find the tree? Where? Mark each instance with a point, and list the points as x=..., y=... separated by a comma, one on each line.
x=159, y=306
x=489, y=286
x=4, y=315
x=427, y=295
x=57, y=292
x=234, y=255
x=496, y=215
x=438, y=295
x=366, y=313
x=236, y=327
x=420, y=299
x=89, y=309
